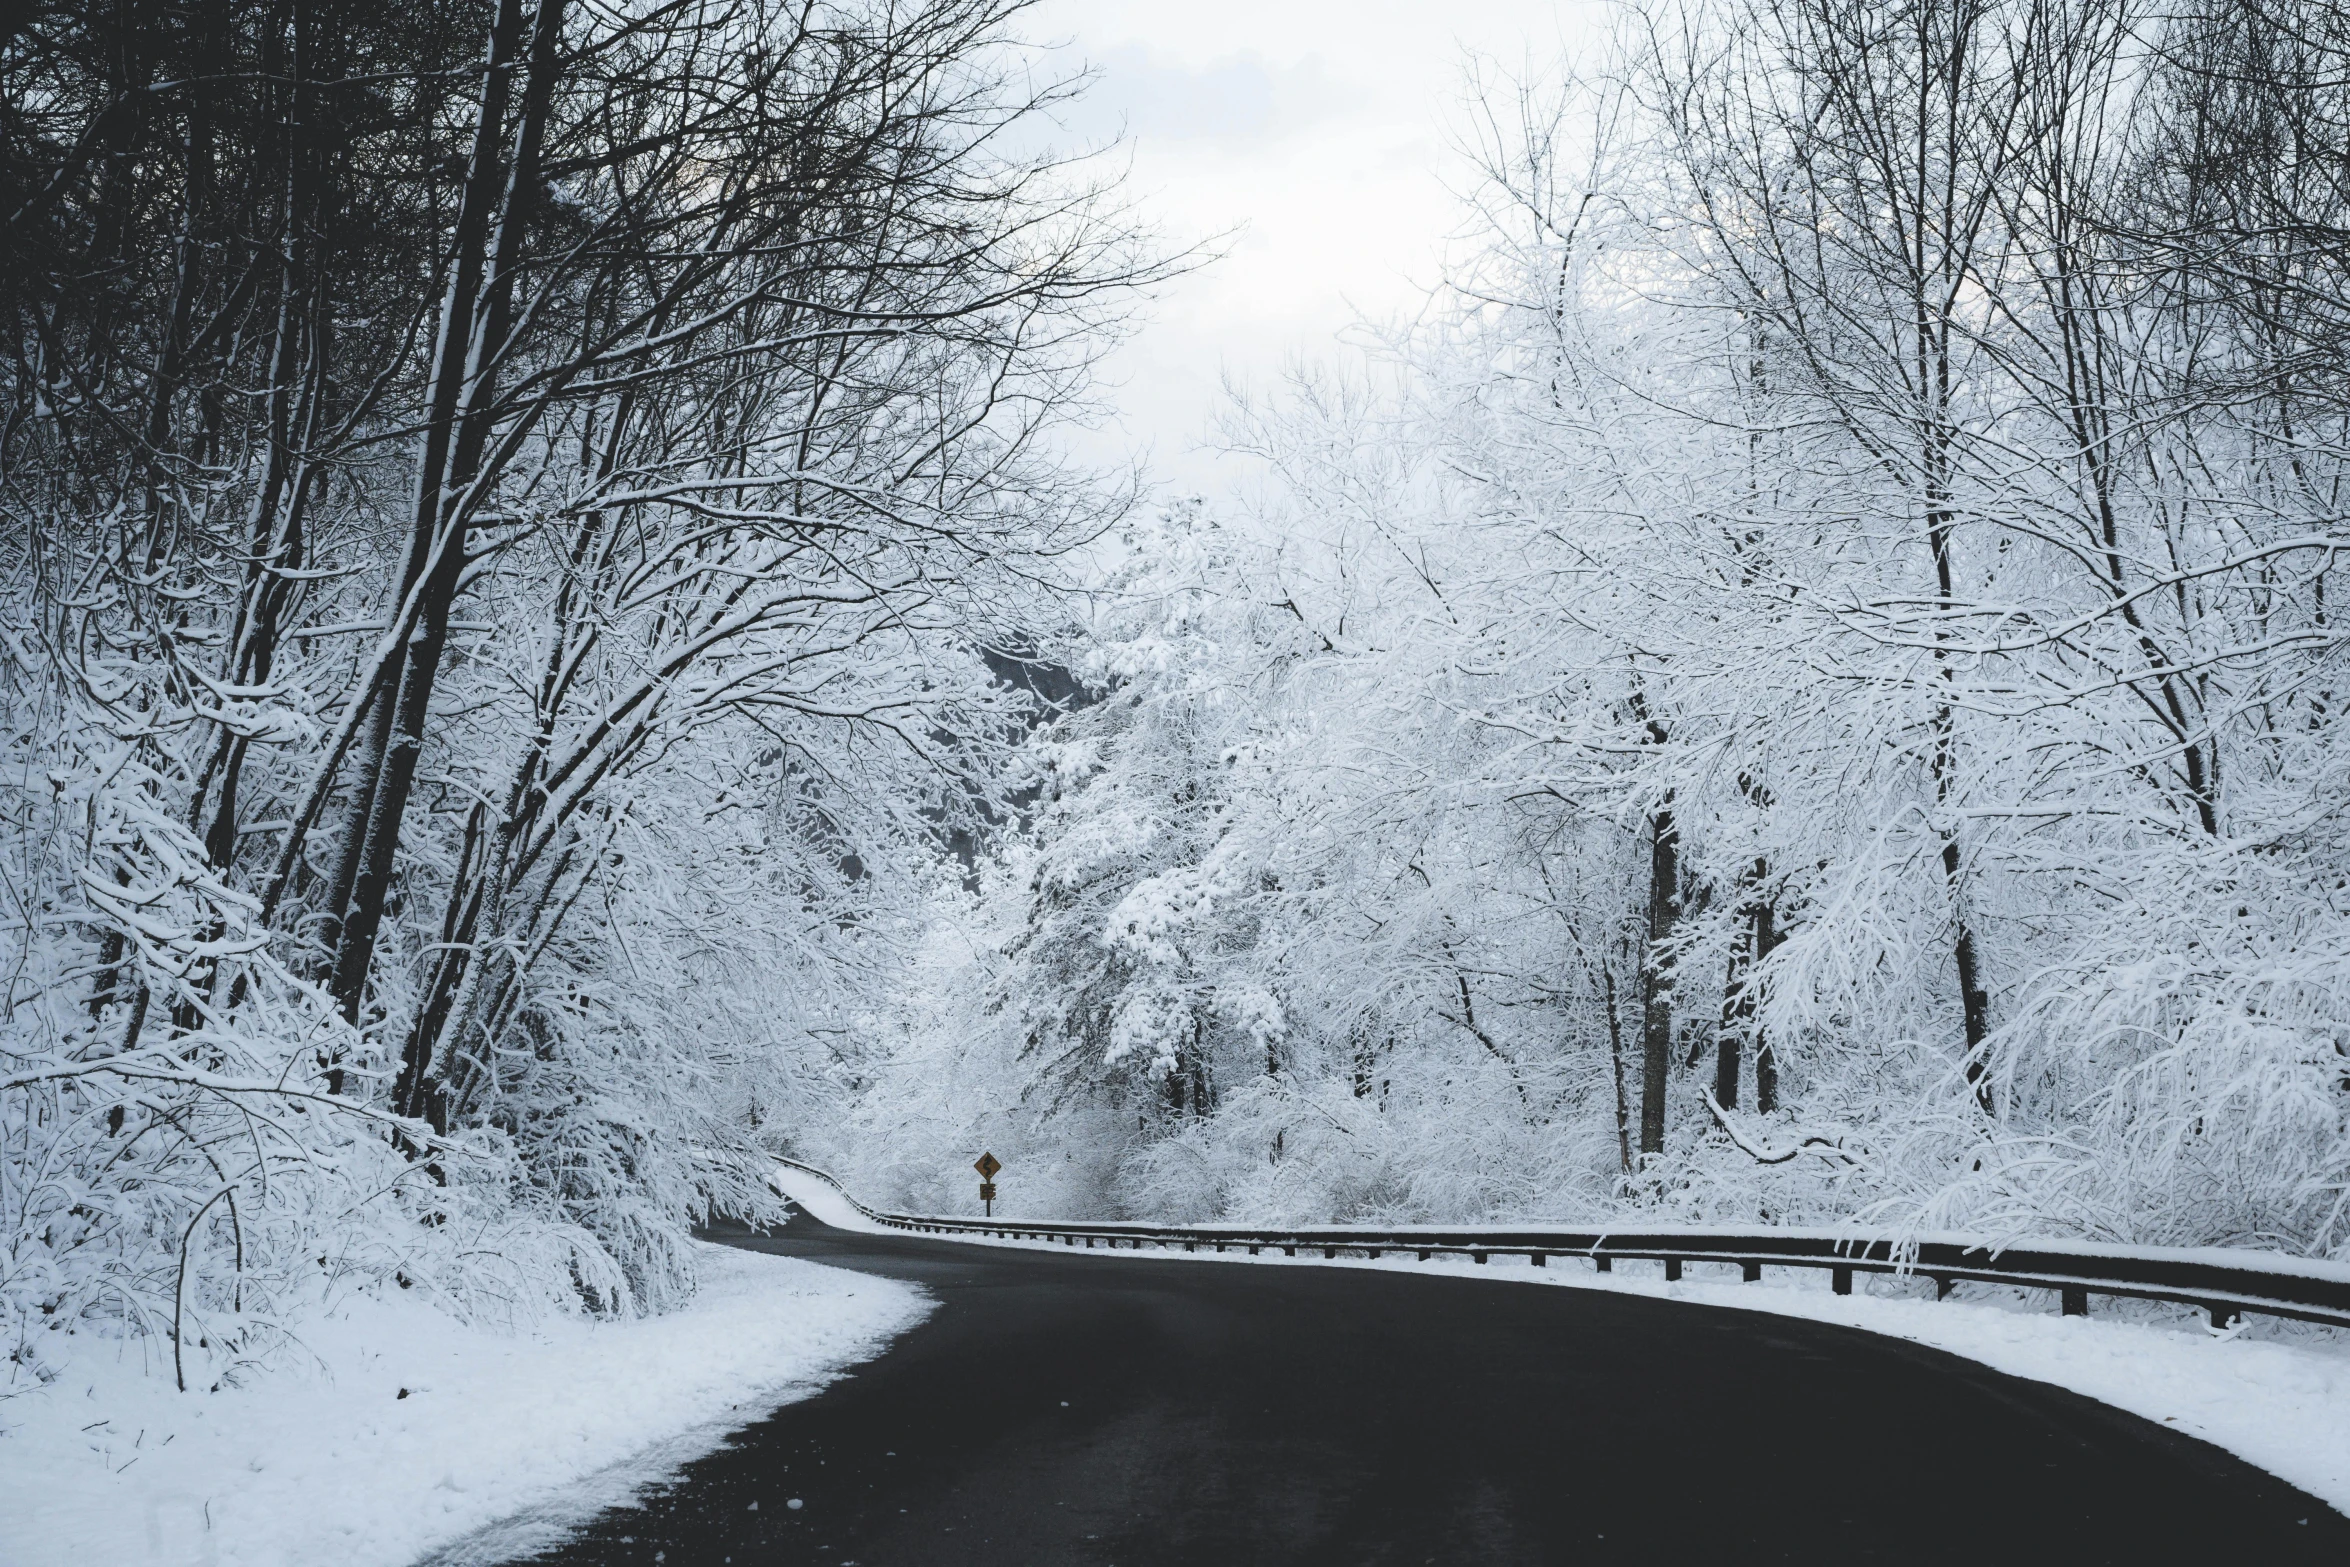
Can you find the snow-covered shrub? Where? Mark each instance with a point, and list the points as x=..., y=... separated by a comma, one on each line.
x=192, y=1138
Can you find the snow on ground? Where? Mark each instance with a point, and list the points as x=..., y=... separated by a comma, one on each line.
x=821, y=1200
x=111, y=1466
x=2280, y=1401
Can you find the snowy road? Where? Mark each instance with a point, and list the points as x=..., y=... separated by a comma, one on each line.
x=1122, y=1412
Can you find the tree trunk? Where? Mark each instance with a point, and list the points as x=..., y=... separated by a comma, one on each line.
x=275, y=525
x=1737, y=1010
x=1615, y=1043
x=1941, y=522
x=1766, y=1060
x=1656, y=975
x=473, y=323
x=1748, y=948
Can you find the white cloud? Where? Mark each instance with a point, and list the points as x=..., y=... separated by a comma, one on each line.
x=1316, y=134
x=1237, y=102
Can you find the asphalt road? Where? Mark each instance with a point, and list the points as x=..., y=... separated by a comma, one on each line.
x=1132, y=1412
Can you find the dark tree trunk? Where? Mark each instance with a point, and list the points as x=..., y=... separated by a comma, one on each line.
x=290, y=402
x=473, y=324
x=1656, y=976
x=1737, y=1010
x=1766, y=1060
x=1748, y=948
x=1615, y=1043
x=1974, y=1002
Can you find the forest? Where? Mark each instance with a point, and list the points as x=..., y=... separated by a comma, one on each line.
x=553, y=646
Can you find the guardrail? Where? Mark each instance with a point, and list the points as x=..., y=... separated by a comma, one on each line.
x=2226, y=1284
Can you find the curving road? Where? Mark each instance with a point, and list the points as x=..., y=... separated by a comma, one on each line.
x=1132, y=1412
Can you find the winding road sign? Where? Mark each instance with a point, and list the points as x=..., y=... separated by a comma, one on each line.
x=987, y=1166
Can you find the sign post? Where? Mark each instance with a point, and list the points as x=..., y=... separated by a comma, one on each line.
x=987, y=1166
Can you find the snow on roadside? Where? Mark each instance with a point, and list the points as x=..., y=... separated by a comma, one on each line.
x=110, y=1464
x=2282, y=1404
x=822, y=1201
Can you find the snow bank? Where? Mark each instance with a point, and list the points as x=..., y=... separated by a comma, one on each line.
x=2281, y=1405
x=822, y=1201
x=412, y=1430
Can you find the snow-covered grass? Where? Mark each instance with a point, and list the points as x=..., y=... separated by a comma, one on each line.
x=409, y=1430
x=2279, y=1402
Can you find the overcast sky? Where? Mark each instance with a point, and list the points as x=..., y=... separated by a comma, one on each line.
x=1316, y=129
